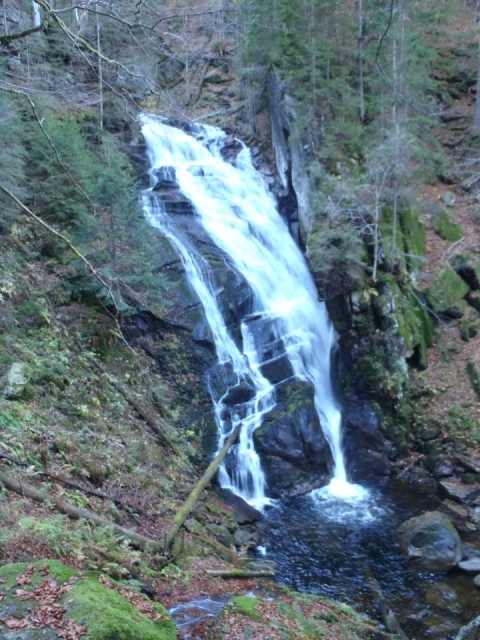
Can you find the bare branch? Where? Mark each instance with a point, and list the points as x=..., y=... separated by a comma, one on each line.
x=81, y=43
x=22, y=34
x=29, y=213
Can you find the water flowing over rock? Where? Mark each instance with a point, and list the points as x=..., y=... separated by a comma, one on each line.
x=260, y=304
x=431, y=542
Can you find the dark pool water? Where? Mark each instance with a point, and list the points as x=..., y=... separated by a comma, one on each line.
x=347, y=550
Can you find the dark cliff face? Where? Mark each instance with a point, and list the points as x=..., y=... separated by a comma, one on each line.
x=290, y=442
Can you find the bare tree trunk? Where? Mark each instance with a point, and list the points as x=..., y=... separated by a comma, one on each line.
x=376, y=238
x=190, y=502
x=100, y=80
x=396, y=190
x=360, y=62
x=5, y=21
x=476, y=122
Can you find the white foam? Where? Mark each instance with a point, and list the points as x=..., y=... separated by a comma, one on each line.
x=340, y=488
x=343, y=502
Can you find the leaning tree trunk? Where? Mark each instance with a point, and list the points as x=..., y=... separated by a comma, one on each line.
x=190, y=502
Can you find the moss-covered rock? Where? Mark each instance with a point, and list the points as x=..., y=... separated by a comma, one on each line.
x=447, y=290
x=468, y=268
x=103, y=609
x=446, y=226
x=286, y=614
x=414, y=234
x=247, y=606
x=12, y=384
x=474, y=376
x=290, y=440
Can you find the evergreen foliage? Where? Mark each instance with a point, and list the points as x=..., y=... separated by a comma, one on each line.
x=365, y=97
x=12, y=158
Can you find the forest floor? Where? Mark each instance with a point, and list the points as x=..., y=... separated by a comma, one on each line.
x=452, y=403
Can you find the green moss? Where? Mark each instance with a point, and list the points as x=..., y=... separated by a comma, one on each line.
x=393, y=252
x=474, y=377
x=447, y=290
x=57, y=570
x=446, y=226
x=109, y=616
x=104, y=612
x=247, y=607
x=414, y=234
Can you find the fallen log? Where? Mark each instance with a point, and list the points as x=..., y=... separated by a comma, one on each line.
x=190, y=502
x=237, y=573
x=76, y=513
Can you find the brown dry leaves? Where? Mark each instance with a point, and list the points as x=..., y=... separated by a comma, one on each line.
x=136, y=599
x=282, y=617
x=46, y=611
x=447, y=358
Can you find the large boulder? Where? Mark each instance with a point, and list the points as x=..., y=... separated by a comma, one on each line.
x=290, y=442
x=447, y=290
x=13, y=383
x=431, y=542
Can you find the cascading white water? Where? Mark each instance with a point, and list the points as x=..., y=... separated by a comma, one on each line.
x=240, y=216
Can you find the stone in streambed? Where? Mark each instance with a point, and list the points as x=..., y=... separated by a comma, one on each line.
x=458, y=491
x=472, y=565
x=431, y=542
x=471, y=631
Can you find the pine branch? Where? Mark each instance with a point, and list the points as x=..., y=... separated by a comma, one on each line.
x=51, y=144
x=29, y=213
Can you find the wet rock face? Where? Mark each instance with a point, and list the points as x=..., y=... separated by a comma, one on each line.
x=431, y=542
x=275, y=365
x=363, y=444
x=290, y=441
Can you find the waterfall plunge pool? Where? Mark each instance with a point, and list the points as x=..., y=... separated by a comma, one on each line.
x=347, y=550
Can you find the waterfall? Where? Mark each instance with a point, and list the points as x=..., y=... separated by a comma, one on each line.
x=240, y=216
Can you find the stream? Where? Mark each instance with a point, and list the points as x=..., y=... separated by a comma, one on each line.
x=273, y=368
x=347, y=551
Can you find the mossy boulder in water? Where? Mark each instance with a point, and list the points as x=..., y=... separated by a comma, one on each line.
x=431, y=542
x=64, y=600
